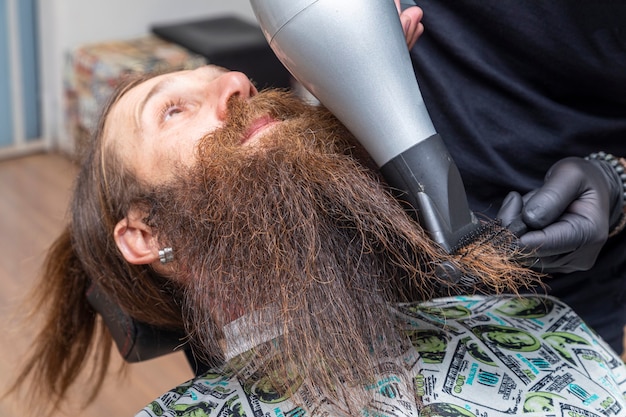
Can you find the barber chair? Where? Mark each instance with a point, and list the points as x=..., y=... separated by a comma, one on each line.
x=137, y=341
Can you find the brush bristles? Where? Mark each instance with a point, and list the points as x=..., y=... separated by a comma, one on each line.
x=491, y=261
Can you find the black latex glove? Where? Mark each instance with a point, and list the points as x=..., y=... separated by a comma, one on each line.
x=566, y=222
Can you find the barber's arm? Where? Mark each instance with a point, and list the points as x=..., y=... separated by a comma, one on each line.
x=566, y=221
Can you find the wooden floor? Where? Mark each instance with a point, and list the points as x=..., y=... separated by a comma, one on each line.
x=34, y=193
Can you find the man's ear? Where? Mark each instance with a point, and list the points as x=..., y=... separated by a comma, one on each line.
x=135, y=240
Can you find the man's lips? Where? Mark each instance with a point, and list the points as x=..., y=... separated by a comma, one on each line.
x=257, y=128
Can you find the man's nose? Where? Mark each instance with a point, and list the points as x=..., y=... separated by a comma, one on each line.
x=232, y=84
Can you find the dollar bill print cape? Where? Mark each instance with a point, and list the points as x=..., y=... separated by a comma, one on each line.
x=471, y=356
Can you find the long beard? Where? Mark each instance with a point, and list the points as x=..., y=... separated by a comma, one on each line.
x=298, y=228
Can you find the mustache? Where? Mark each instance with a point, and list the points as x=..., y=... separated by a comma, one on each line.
x=280, y=105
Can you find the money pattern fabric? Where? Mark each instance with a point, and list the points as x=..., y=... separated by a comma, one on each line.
x=487, y=356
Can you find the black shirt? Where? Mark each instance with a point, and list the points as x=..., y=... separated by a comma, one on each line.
x=514, y=86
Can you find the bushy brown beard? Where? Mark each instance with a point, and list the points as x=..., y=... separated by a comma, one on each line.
x=298, y=227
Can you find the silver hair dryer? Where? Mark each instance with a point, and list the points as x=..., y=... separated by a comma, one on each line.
x=352, y=56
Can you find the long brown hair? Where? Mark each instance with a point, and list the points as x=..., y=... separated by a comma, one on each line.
x=85, y=255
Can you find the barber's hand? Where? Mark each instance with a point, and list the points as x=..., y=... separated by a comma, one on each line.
x=568, y=219
x=411, y=19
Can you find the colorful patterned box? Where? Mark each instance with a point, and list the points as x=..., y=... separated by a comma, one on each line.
x=93, y=71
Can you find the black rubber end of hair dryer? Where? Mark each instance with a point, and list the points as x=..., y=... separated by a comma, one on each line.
x=427, y=181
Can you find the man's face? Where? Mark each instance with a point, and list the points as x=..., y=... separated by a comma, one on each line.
x=155, y=126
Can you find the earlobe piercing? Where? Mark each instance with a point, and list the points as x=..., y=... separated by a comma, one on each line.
x=166, y=255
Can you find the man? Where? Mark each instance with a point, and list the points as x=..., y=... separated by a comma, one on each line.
x=253, y=221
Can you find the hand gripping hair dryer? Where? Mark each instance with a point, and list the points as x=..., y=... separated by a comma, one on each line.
x=352, y=56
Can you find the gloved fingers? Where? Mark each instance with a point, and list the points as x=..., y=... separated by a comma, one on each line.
x=560, y=247
x=411, y=19
x=568, y=217
x=563, y=184
x=511, y=208
x=560, y=263
x=543, y=243
x=510, y=213
x=568, y=234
